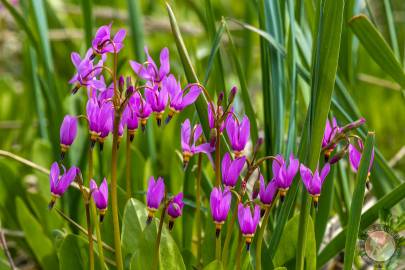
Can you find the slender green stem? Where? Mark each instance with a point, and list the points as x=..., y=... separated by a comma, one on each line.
x=229, y=235
x=302, y=231
x=159, y=236
x=98, y=234
x=198, y=208
x=90, y=234
x=128, y=167
x=94, y=214
x=260, y=239
x=239, y=251
x=114, y=161
x=218, y=158
x=218, y=247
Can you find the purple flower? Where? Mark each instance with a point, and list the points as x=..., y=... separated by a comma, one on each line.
x=105, y=121
x=175, y=208
x=212, y=113
x=313, y=182
x=267, y=193
x=158, y=101
x=149, y=71
x=331, y=131
x=220, y=203
x=189, y=138
x=142, y=108
x=231, y=169
x=238, y=133
x=179, y=99
x=60, y=183
x=100, y=196
x=247, y=222
x=85, y=72
x=68, y=132
x=154, y=195
x=355, y=156
x=102, y=42
x=130, y=118
x=284, y=174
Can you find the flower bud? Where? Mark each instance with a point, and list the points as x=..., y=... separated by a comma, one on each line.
x=220, y=98
x=354, y=125
x=232, y=94
x=121, y=83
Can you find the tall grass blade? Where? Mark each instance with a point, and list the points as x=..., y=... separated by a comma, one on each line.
x=357, y=202
x=377, y=48
x=87, y=21
x=391, y=28
x=324, y=67
x=214, y=53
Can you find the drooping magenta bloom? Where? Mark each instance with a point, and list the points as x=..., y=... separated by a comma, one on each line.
x=130, y=118
x=154, y=196
x=355, y=156
x=238, y=134
x=267, y=193
x=175, y=208
x=313, y=182
x=331, y=130
x=220, y=202
x=231, y=169
x=100, y=196
x=149, y=71
x=68, y=132
x=179, y=98
x=60, y=183
x=216, y=114
x=143, y=109
x=105, y=122
x=247, y=222
x=86, y=72
x=158, y=101
x=189, y=139
x=102, y=42
x=284, y=173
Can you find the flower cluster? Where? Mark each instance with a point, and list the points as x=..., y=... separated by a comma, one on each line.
x=156, y=196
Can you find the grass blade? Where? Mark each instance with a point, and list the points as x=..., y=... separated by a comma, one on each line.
x=87, y=21
x=391, y=27
x=136, y=25
x=367, y=218
x=324, y=67
x=247, y=103
x=377, y=47
x=214, y=53
x=357, y=202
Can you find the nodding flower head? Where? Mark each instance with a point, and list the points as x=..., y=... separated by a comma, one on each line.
x=179, y=98
x=130, y=118
x=142, y=109
x=313, y=182
x=220, y=202
x=102, y=42
x=247, y=222
x=60, y=183
x=105, y=122
x=267, y=193
x=284, y=173
x=331, y=130
x=100, y=196
x=149, y=71
x=231, y=169
x=189, y=139
x=238, y=134
x=158, y=101
x=68, y=132
x=154, y=196
x=86, y=72
x=175, y=208
x=355, y=153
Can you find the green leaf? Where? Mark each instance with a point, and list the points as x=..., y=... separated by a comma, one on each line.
x=247, y=103
x=367, y=218
x=88, y=19
x=214, y=52
x=377, y=47
x=289, y=243
x=357, y=202
x=73, y=253
x=324, y=66
x=38, y=241
x=391, y=27
x=214, y=265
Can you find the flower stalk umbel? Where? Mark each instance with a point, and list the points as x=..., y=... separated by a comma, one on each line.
x=123, y=106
